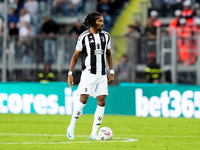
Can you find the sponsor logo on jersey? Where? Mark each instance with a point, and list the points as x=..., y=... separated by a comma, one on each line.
x=98, y=51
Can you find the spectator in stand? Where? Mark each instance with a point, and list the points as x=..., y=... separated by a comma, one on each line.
x=57, y=2
x=31, y=7
x=132, y=36
x=82, y=8
x=124, y=70
x=73, y=5
x=57, y=5
x=1, y=8
x=24, y=33
x=13, y=30
x=17, y=5
x=12, y=16
x=175, y=22
x=196, y=28
x=188, y=13
x=105, y=8
x=170, y=6
x=197, y=9
x=195, y=34
x=49, y=30
x=132, y=32
x=117, y=4
x=184, y=43
x=153, y=70
x=157, y=5
x=24, y=17
x=77, y=29
x=46, y=75
x=154, y=18
x=137, y=26
x=1, y=28
x=150, y=30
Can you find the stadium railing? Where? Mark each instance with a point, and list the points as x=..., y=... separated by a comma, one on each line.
x=164, y=45
x=28, y=54
x=169, y=57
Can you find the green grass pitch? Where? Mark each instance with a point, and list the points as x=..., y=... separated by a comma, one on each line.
x=32, y=131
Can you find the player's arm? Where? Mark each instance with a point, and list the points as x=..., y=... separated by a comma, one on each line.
x=110, y=64
x=71, y=68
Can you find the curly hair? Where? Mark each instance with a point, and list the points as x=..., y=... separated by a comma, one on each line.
x=90, y=20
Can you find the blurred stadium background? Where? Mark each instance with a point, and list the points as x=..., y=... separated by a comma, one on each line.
x=35, y=32
x=156, y=52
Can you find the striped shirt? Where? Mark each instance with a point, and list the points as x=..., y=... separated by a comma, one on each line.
x=93, y=49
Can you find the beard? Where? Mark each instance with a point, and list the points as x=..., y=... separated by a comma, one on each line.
x=100, y=29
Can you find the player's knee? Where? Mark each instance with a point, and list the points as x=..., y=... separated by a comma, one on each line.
x=101, y=103
x=84, y=98
x=101, y=100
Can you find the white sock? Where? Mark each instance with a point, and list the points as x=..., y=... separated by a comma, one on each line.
x=76, y=114
x=98, y=116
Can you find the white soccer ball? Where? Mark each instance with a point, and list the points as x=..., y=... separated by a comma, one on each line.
x=105, y=133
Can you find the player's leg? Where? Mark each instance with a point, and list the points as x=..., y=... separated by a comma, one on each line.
x=100, y=92
x=76, y=114
x=85, y=89
x=98, y=116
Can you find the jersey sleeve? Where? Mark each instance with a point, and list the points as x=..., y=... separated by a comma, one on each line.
x=79, y=45
x=109, y=43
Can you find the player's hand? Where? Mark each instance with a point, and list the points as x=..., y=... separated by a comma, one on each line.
x=70, y=81
x=111, y=78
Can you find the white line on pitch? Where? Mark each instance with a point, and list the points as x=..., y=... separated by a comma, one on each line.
x=170, y=136
x=10, y=143
x=30, y=134
x=27, y=134
x=113, y=141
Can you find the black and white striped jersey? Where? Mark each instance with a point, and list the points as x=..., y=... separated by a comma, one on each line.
x=93, y=49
